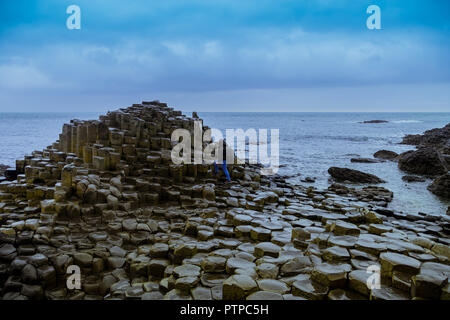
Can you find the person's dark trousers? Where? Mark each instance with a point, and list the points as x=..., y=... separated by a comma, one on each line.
x=224, y=168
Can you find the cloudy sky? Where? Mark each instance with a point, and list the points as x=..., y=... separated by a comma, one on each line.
x=225, y=55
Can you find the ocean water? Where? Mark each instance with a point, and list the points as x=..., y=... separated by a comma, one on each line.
x=310, y=143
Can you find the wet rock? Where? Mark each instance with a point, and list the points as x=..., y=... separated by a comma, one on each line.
x=309, y=289
x=409, y=178
x=345, y=174
x=430, y=281
x=341, y=294
x=427, y=161
x=332, y=276
x=82, y=259
x=214, y=264
x=238, y=287
x=341, y=228
x=267, y=249
x=391, y=262
x=295, y=266
x=336, y=254
x=201, y=293
x=273, y=286
x=267, y=270
x=388, y=293
x=365, y=160
x=7, y=252
x=187, y=270
x=238, y=263
x=385, y=154
x=265, y=295
x=441, y=186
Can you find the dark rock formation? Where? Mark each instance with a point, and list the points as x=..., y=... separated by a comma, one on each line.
x=409, y=178
x=439, y=138
x=3, y=167
x=375, y=121
x=365, y=160
x=385, y=154
x=426, y=160
x=345, y=174
x=441, y=186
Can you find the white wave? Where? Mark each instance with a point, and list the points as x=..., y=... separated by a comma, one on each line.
x=407, y=121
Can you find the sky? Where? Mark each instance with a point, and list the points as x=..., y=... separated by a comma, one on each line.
x=225, y=55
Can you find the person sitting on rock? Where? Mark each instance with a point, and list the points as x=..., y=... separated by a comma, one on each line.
x=223, y=145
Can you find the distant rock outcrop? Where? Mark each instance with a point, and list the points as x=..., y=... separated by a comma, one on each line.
x=365, y=160
x=345, y=174
x=375, y=121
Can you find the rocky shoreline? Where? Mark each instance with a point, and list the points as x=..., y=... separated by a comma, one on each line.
x=107, y=198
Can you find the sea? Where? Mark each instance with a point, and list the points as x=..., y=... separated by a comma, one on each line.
x=309, y=143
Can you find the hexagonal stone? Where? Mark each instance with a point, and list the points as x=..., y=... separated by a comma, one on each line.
x=342, y=228
x=117, y=252
x=309, y=289
x=156, y=267
x=7, y=252
x=265, y=295
x=300, y=234
x=342, y=241
x=211, y=280
x=267, y=249
x=290, y=296
x=340, y=294
x=241, y=219
x=82, y=259
x=154, y=295
x=185, y=250
x=401, y=281
x=237, y=263
x=201, y=293
x=336, y=254
x=388, y=293
x=39, y=259
x=129, y=224
x=430, y=281
x=379, y=229
x=267, y=270
x=273, y=286
x=116, y=262
x=98, y=236
x=398, y=262
x=260, y=234
x=213, y=264
x=238, y=287
x=187, y=270
x=243, y=231
x=185, y=284
x=176, y=294
x=370, y=247
x=159, y=250
x=357, y=281
x=295, y=266
x=248, y=272
x=362, y=264
x=29, y=273
x=333, y=276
